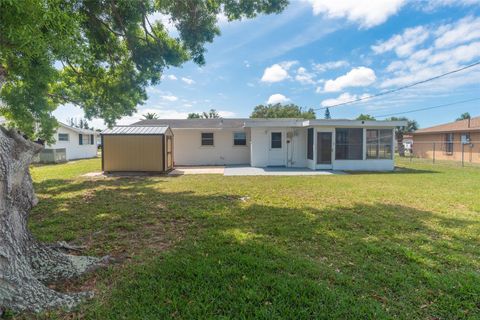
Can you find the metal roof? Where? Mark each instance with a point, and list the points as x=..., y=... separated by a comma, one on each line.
x=194, y=123
x=136, y=130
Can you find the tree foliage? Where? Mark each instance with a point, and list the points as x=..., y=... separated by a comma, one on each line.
x=412, y=125
x=282, y=111
x=100, y=55
x=150, y=116
x=464, y=116
x=211, y=114
x=366, y=117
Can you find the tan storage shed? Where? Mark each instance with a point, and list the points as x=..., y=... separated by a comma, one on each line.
x=137, y=148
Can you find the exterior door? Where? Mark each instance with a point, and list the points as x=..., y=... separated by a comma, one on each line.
x=169, y=151
x=276, y=150
x=324, y=148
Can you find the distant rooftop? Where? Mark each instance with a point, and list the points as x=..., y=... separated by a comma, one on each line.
x=472, y=124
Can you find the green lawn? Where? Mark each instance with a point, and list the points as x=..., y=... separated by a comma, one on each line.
x=402, y=245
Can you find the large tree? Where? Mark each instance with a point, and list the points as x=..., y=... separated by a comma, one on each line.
x=282, y=111
x=366, y=117
x=99, y=55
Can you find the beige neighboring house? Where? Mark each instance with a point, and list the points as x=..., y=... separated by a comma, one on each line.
x=449, y=141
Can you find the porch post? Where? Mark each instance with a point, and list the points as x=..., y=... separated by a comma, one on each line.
x=364, y=144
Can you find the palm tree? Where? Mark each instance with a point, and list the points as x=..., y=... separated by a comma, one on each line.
x=464, y=116
x=150, y=116
x=411, y=126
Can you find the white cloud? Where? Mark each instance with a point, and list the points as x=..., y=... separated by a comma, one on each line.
x=274, y=73
x=277, y=98
x=367, y=13
x=464, y=30
x=188, y=80
x=322, y=67
x=277, y=72
x=453, y=46
x=344, y=97
x=169, y=98
x=304, y=77
x=357, y=77
x=403, y=44
x=172, y=77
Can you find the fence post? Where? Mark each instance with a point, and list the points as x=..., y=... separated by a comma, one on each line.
x=434, y=152
x=463, y=154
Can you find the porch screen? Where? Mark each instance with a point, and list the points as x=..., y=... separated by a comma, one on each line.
x=379, y=143
x=349, y=144
x=310, y=144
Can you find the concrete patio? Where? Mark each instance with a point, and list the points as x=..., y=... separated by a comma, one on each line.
x=275, y=171
x=251, y=171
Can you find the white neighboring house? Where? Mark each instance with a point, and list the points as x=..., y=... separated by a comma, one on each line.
x=79, y=143
x=316, y=144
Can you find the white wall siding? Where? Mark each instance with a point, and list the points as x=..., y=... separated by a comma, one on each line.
x=295, y=151
x=364, y=165
x=189, y=151
x=73, y=148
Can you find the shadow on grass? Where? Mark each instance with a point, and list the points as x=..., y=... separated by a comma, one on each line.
x=247, y=260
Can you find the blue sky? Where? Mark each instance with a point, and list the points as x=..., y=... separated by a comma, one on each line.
x=322, y=52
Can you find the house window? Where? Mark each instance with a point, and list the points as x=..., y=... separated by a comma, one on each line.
x=349, y=144
x=379, y=143
x=449, y=143
x=310, y=143
x=63, y=137
x=207, y=139
x=92, y=139
x=276, y=141
x=83, y=139
x=465, y=138
x=239, y=139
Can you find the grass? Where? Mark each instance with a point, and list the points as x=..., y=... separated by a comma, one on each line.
x=401, y=245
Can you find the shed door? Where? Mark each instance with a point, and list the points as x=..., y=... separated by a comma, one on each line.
x=169, y=152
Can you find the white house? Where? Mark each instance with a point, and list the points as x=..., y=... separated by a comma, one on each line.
x=315, y=144
x=78, y=143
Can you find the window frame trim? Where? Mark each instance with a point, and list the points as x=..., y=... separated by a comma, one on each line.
x=281, y=140
x=239, y=145
x=207, y=145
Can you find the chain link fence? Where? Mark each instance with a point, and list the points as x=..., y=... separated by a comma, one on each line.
x=447, y=152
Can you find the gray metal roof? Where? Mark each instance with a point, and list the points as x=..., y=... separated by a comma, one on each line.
x=136, y=130
x=194, y=123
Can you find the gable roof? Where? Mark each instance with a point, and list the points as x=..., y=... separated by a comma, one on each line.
x=136, y=130
x=472, y=124
x=78, y=130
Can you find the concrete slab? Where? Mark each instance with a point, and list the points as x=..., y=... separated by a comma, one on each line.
x=197, y=170
x=276, y=171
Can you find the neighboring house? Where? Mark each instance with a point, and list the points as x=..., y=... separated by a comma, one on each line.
x=78, y=143
x=408, y=142
x=316, y=144
x=450, y=141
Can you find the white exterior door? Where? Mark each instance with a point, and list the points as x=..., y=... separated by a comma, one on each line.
x=277, y=155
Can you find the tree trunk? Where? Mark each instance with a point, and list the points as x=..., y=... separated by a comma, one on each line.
x=401, y=148
x=26, y=266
